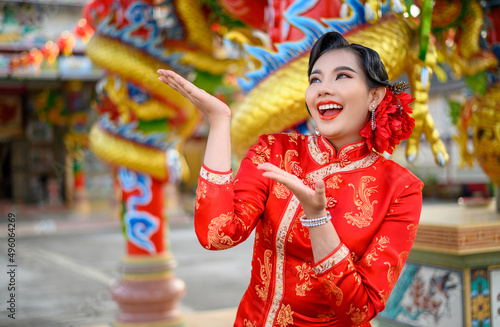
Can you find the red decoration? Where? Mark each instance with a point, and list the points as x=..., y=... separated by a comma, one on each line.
x=66, y=42
x=15, y=62
x=36, y=57
x=50, y=51
x=154, y=208
x=84, y=30
x=25, y=58
x=250, y=12
x=79, y=180
x=494, y=30
x=393, y=123
x=281, y=31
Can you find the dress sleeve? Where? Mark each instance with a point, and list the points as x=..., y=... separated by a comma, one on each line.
x=227, y=209
x=358, y=291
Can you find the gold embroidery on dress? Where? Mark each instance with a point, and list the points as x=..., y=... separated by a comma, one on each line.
x=335, y=167
x=292, y=137
x=216, y=238
x=262, y=154
x=331, y=261
x=290, y=165
x=323, y=157
x=318, y=156
x=334, y=182
x=271, y=139
x=281, y=191
x=201, y=193
x=384, y=296
x=304, y=274
x=413, y=232
x=362, y=201
x=327, y=316
x=357, y=277
x=285, y=316
x=248, y=210
x=297, y=225
x=344, y=160
x=393, y=272
x=381, y=244
x=357, y=316
x=216, y=178
x=330, y=202
x=280, y=242
x=265, y=274
x=305, y=230
x=332, y=289
x=247, y=323
x=267, y=230
x=354, y=256
x=294, y=226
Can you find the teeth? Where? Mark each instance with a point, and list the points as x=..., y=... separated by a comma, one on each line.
x=329, y=106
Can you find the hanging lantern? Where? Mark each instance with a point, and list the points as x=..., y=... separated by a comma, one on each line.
x=15, y=62
x=50, y=52
x=66, y=42
x=83, y=30
x=36, y=58
x=25, y=59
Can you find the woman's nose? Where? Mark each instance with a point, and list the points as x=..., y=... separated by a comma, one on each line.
x=325, y=90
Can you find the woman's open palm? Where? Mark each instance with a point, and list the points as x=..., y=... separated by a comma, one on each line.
x=313, y=201
x=210, y=106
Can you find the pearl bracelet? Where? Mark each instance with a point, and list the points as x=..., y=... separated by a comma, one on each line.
x=313, y=222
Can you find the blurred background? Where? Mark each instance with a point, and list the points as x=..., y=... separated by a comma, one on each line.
x=85, y=127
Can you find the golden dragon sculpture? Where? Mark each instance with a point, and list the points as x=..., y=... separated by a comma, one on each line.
x=275, y=99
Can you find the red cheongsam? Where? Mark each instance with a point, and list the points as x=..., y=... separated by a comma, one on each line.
x=375, y=206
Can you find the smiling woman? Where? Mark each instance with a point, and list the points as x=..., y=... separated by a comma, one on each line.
x=353, y=78
x=334, y=220
x=338, y=82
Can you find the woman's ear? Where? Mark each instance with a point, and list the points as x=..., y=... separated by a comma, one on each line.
x=377, y=95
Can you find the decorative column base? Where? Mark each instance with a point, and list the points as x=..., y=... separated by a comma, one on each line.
x=452, y=276
x=148, y=294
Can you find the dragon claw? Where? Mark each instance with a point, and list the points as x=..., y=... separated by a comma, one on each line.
x=411, y=157
x=441, y=159
x=369, y=14
x=397, y=7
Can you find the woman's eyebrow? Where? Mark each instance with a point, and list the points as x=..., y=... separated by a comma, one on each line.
x=337, y=69
x=344, y=68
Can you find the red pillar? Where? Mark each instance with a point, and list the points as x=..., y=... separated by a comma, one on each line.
x=149, y=293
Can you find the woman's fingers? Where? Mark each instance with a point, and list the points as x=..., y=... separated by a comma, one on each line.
x=176, y=82
x=312, y=200
x=215, y=110
x=292, y=182
x=275, y=173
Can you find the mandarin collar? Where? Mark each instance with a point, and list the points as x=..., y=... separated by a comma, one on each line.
x=346, y=154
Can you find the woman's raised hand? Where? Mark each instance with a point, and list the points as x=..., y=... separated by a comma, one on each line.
x=214, y=109
x=313, y=201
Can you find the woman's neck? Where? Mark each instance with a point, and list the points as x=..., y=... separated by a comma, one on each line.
x=339, y=144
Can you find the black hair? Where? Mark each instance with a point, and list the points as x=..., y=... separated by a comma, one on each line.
x=369, y=60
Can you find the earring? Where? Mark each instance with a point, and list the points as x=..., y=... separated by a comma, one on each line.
x=317, y=132
x=373, y=123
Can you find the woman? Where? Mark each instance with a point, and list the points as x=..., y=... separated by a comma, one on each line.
x=334, y=219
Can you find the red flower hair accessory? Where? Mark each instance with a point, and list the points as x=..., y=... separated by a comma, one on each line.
x=393, y=120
